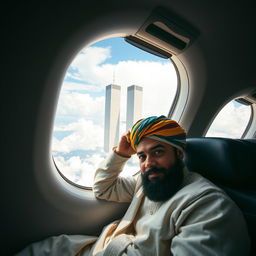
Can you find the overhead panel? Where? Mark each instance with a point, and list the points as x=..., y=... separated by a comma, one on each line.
x=248, y=99
x=164, y=34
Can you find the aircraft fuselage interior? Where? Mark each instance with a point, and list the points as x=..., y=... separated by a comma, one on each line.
x=57, y=63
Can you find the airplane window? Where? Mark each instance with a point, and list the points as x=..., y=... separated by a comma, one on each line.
x=108, y=86
x=231, y=121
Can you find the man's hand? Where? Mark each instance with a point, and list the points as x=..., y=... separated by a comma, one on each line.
x=124, y=147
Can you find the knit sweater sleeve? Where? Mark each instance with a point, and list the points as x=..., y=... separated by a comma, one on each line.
x=109, y=185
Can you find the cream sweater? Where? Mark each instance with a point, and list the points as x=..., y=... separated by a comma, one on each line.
x=200, y=219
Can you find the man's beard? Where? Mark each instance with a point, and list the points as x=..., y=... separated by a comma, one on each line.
x=162, y=189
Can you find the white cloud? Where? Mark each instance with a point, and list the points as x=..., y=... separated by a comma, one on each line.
x=81, y=170
x=74, y=86
x=77, y=170
x=87, y=66
x=230, y=122
x=80, y=105
x=85, y=136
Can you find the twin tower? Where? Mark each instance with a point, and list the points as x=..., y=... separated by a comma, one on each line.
x=112, y=112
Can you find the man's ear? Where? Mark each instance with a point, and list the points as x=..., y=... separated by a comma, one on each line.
x=180, y=154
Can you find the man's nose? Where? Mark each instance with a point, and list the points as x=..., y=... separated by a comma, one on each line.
x=149, y=163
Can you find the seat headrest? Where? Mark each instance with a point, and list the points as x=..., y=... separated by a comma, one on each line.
x=229, y=162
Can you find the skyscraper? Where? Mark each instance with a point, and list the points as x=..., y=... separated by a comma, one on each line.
x=134, y=105
x=112, y=116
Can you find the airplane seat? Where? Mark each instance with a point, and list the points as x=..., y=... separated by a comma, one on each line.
x=230, y=164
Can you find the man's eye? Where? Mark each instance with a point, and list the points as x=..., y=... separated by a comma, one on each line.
x=141, y=157
x=158, y=152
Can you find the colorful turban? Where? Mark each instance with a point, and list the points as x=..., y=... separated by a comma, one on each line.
x=159, y=128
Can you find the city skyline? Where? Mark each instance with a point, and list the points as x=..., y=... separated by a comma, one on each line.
x=112, y=112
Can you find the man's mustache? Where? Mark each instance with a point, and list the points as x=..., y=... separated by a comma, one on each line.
x=154, y=171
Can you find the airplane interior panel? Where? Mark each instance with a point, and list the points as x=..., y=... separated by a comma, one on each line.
x=198, y=61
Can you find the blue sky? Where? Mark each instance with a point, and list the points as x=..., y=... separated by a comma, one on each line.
x=123, y=51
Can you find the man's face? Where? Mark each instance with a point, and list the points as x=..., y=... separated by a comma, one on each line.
x=161, y=167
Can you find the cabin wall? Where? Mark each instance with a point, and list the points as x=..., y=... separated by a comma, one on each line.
x=40, y=40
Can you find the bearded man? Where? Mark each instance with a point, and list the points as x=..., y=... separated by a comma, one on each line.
x=172, y=211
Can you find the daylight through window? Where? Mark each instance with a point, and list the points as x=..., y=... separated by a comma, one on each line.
x=108, y=86
x=231, y=121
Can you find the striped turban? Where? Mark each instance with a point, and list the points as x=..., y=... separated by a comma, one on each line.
x=159, y=128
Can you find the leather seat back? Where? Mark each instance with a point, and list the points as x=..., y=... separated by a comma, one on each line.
x=230, y=164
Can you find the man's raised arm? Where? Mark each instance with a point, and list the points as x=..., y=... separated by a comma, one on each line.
x=107, y=183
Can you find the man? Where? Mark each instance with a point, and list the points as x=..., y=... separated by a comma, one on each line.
x=172, y=211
